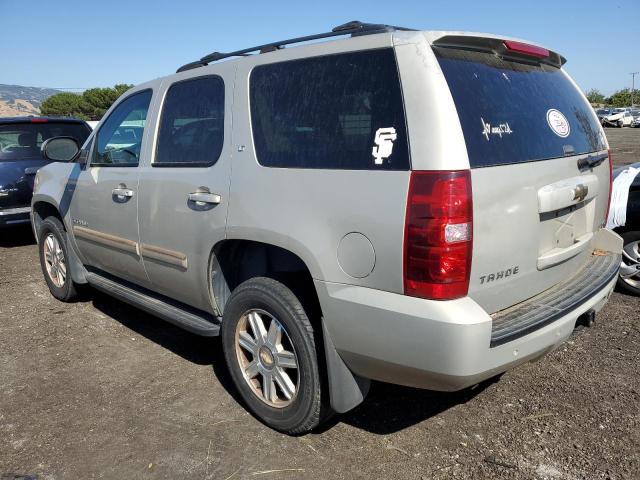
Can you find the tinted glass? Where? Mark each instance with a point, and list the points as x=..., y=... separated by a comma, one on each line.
x=119, y=139
x=192, y=123
x=20, y=141
x=340, y=112
x=513, y=112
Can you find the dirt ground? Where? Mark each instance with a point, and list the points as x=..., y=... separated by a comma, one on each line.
x=624, y=144
x=98, y=389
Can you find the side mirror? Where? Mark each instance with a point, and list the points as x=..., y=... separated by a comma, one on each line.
x=60, y=149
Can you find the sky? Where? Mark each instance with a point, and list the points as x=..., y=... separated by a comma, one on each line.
x=82, y=44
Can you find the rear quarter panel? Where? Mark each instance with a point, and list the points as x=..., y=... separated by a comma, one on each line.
x=309, y=211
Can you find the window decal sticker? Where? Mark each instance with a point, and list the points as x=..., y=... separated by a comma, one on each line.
x=383, y=144
x=500, y=130
x=558, y=123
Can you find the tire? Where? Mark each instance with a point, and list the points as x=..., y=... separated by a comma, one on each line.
x=620, y=124
x=631, y=257
x=52, y=246
x=292, y=406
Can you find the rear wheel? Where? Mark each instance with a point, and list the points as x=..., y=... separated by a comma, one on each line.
x=270, y=350
x=53, y=259
x=629, y=279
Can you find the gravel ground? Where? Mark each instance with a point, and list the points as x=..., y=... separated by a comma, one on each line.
x=624, y=144
x=97, y=389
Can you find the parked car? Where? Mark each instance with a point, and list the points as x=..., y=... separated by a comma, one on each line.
x=20, y=158
x=619, y=117
x=635, y=113
x=332, y=233
x=629, y=280
x=602, y=113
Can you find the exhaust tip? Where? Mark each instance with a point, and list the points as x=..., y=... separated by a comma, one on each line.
x=587, y=319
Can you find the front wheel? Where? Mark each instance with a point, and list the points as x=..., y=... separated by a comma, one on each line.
x=269, y=347
x=620, y=123
x=54, y=259
x=629, y=279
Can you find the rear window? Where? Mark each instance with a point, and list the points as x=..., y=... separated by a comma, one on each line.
x=513, y=112
x=340, y=111
x=19, y=141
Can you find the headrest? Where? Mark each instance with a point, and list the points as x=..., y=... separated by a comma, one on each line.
x=27, y=140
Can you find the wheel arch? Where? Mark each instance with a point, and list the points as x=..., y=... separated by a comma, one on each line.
x=41, y=209
x=233, y=261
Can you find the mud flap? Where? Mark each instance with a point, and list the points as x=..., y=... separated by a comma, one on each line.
x=346, y=390
x=78, y=272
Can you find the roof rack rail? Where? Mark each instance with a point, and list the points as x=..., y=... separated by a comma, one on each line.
x=354, y=28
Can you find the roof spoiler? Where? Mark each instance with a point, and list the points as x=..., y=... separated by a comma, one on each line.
x=507, y=49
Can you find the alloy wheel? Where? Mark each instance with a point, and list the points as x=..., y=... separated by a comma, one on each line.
x=267, y=358
x=54, y=260
x=630, y=265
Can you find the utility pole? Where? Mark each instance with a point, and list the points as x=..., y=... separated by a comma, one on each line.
x=633, y=82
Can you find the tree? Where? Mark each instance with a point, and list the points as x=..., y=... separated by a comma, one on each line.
x=90, y=105
x=622, y=98
x=595, y=96
x=63, y=104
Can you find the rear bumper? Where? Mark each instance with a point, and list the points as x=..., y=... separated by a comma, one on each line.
x=556, y=302
x=14, y=216
x=437, y=345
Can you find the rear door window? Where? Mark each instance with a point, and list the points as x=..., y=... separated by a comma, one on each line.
x=192, y=124
x=340, y=111
x=514, y=112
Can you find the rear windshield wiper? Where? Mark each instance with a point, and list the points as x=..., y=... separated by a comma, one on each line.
x=591, y=161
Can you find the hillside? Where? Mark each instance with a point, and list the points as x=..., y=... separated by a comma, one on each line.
x=17, y=100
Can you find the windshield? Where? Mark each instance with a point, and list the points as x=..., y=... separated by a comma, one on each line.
x=21, y=141
x=513, y=112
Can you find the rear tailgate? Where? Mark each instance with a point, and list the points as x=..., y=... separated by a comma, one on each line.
x=20, y=156
x=539, y=168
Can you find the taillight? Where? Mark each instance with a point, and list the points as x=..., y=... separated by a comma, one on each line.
x=606, y=217
x=526, y=49
x=438, y=235
x=39, y=120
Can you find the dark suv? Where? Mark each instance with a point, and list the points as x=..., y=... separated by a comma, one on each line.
x=20, y=159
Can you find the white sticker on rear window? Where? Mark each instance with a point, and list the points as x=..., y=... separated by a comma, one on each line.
x=383, y=144
x=558, y=123
x=500, y=129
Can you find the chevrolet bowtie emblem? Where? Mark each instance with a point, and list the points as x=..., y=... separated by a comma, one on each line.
x=580, y=192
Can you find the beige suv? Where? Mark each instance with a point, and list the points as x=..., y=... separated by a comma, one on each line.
x=422, y=208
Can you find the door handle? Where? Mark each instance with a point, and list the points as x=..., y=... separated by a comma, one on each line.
x=121, y=193
x=203, y=198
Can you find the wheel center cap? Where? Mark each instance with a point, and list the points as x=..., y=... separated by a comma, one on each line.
x=266, y=357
